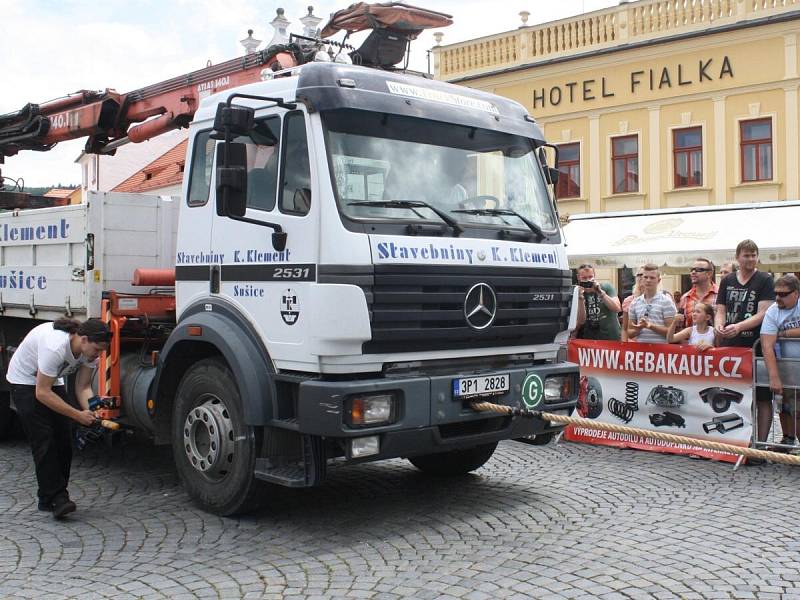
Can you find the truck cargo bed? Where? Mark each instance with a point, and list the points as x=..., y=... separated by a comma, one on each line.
x=57, y=261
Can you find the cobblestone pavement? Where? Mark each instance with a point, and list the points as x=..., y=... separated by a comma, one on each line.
x=562, y=521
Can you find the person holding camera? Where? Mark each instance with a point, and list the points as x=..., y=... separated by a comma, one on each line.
x=598, y=309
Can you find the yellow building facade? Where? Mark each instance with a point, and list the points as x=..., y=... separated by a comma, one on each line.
x=657, y=103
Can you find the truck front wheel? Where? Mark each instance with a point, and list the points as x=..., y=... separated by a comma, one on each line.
x=214, y=450
x=456, y=462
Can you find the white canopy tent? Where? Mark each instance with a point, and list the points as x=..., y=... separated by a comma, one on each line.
x=675, y=237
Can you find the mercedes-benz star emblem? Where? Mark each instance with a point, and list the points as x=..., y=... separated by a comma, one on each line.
x=480, y=306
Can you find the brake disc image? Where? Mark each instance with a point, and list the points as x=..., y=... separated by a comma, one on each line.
x=590, y=398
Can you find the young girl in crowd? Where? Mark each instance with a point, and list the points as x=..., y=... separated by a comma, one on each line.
x=701, y=334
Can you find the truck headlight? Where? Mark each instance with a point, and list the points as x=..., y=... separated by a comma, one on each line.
x=370, y=409
x=558, y=387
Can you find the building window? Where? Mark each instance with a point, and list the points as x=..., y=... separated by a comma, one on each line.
x=756, y=150
x=625, y=160
x=569, y=164
x=687, y=149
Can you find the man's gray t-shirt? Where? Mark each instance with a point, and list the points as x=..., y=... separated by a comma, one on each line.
x=780, y=319
x=656, y=310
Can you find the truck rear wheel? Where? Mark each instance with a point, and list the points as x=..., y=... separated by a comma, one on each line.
x=214, y=450
x=456, y=462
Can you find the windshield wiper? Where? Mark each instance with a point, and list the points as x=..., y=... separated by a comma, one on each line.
x=497, y=212
x=412, y=204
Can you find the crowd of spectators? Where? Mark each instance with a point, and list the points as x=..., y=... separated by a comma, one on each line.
x=746, y=305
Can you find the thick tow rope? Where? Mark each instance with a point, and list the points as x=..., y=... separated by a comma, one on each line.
x=775, y=457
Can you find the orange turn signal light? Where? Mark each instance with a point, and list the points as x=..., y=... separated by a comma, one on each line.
x=194, y=330
x=357, y=411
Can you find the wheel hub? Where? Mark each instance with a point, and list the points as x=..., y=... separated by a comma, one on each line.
x=208, y=438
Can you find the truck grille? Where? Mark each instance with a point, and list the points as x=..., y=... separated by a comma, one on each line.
x=421, y=308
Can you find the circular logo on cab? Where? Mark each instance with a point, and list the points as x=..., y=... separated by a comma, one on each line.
x=532, y=390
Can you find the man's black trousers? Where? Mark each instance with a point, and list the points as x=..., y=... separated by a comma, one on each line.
x=49, y=434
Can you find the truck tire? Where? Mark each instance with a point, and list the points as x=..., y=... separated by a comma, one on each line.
x=214, y=450
x=7, y=416
x=456, y=462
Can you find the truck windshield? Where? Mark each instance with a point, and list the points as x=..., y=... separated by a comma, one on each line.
x=382, y=162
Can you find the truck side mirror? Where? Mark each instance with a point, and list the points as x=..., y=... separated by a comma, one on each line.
x=234, y=120
x=231, y=179
x=550, y=173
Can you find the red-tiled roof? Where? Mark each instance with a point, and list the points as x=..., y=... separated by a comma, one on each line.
x=164, y=171
x=59, y=193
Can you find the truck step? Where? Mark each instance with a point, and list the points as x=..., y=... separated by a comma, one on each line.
x=288, y=475
x=293, y=459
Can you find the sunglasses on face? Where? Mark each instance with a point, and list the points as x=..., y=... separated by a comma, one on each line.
x=698, y=270
x=784, y=294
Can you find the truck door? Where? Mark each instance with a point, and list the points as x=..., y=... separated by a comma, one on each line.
x=270, y=287
x=194, y=257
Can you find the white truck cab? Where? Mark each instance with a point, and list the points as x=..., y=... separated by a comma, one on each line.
x=418, y=265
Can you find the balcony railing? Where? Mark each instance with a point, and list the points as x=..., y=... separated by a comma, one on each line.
x=623, y=24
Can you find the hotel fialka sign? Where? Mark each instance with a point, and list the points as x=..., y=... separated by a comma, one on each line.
x=640, y=80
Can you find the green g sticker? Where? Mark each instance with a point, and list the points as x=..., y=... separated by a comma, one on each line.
x=532, y=390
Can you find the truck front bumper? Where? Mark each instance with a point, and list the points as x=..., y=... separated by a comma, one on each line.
x=427, y=416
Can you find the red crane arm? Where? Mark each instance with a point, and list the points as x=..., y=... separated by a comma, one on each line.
x=108, y=116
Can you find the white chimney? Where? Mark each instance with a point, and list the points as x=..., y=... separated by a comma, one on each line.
x=250, y=43
x=280, y=24
x=310, y=22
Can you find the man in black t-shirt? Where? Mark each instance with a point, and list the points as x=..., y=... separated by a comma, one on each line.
x=744, y=297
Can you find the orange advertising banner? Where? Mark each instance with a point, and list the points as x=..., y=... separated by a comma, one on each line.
x=664, y=387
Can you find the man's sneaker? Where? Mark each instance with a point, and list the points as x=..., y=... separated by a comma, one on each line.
x=62, y=506
x=45, y=505
x=788, y=441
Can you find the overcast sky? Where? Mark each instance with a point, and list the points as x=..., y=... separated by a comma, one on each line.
x=53, y=47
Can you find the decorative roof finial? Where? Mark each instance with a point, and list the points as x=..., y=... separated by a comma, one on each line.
x=250, y=43
x=280, y=23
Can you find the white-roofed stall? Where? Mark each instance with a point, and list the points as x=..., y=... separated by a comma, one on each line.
x=673, y=238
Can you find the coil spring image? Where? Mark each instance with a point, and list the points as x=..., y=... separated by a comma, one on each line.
x=621, y=410
x=625, y=410
x=632, y=394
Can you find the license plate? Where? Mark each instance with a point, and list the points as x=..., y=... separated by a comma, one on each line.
x=486, y=385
